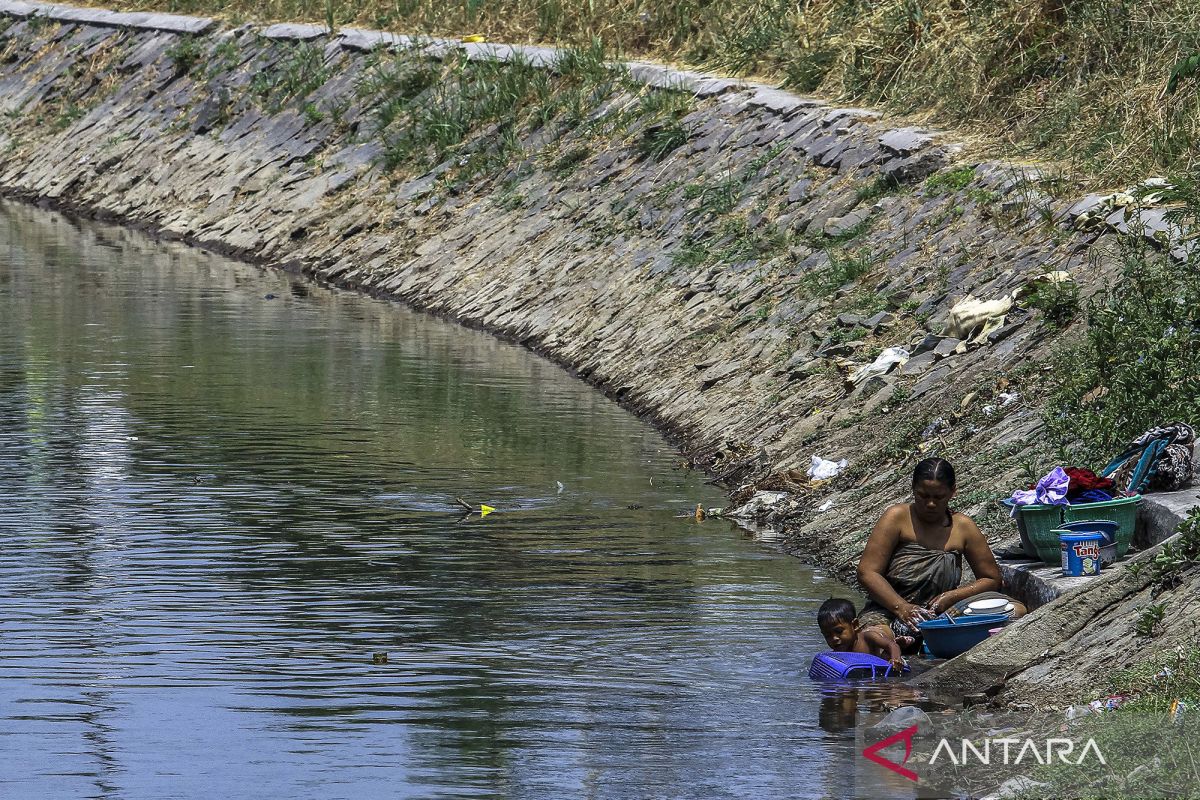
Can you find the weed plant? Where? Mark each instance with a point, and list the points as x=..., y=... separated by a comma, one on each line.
x=1150, y=752
x=425, y=112
x=298, y=72
x=843, y=267
x=1058, y=303
x=1109, y=86
x=186, y=53
x=950, y=181
x=1175, y=557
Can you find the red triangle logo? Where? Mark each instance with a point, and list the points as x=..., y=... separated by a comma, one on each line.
x=872, y=753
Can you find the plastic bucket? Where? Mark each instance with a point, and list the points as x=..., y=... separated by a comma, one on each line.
x=1080, y=553
x=1105, y=527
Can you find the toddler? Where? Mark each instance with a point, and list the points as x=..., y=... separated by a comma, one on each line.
x=839, y=625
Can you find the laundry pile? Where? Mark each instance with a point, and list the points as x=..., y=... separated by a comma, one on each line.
x=1160, y=460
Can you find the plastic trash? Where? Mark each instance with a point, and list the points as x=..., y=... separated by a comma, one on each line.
x=939, y=425
x=882, y=364
x=971, y=315
x=823, y=470
x=828, y=504
x=485, y=510
x=903, y=717
x=1075, y=712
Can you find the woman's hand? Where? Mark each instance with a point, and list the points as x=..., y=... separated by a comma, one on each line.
x=912, y=615
x=942, y=602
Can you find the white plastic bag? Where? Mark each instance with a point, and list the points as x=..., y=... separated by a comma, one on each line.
x=882, y=364
x=822, y=470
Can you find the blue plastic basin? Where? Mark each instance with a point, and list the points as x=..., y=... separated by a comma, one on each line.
x=947, y=639
x=1105, y=527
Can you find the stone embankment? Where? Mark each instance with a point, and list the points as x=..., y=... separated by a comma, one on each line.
x=731, y=268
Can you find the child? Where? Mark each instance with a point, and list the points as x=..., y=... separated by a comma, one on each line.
x=839, y=625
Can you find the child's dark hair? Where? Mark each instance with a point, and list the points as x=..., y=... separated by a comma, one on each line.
x=835, y=609
x=935, y=469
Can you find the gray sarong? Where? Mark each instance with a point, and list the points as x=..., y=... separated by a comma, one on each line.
x=918, y=575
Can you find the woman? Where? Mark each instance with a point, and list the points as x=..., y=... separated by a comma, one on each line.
x=912, y=564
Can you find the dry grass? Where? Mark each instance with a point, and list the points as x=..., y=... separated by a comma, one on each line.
x=1079, y=82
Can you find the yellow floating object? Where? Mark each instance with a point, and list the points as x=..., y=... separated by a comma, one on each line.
x=474, y=37
x=485, y=510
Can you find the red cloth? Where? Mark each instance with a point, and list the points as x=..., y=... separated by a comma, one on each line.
x=1083, y=480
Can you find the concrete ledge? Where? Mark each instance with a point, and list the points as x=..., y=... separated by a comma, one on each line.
x=1025, y=642
x=539, y=57
x=18, y=10
x=1160, y=513
x=1035, y=583
x=783, y=103
x=167, y=23
x=365, y=41
x=1159, y=516
x=294, y=32
x=659, y=76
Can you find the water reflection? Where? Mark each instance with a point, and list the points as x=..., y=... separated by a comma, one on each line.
x=225, y=491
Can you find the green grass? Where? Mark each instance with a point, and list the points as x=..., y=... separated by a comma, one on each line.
x=1058, y=303
x=186, y=53
x=297, y=73
x=950, y=181
x=716, y=197
x=844, y=267
x=67, y=116
x=663, y=111
x=691, y=254
x=224, y=57
x=1083, y=82
x=425, y=112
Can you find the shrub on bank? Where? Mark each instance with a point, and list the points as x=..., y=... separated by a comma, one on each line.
x=1138, y=363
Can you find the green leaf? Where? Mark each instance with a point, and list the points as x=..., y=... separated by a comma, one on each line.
x=1187, y=68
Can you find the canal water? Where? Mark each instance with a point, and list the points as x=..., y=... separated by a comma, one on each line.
x=228, y=493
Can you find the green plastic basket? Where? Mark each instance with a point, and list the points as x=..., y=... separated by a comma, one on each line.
x=1040, y=525
x=1122, y=511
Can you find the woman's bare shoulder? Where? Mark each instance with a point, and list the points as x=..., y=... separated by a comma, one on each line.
x=892, y=518
x=965, y=523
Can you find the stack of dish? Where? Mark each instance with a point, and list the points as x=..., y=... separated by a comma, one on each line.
x=992, y=605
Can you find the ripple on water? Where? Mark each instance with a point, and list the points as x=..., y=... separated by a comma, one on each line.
x=217, y=508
